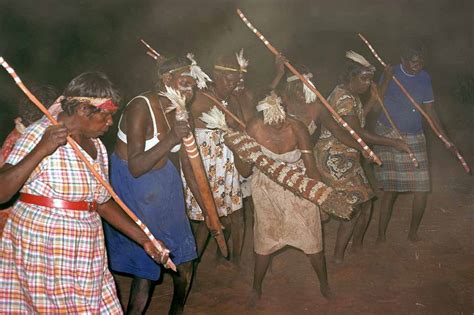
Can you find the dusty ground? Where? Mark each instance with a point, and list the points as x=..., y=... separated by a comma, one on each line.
x=433, y=276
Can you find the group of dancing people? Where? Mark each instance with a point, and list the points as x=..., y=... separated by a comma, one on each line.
x=65, y=234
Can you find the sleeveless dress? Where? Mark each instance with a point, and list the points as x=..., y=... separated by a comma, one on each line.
x=156, y=197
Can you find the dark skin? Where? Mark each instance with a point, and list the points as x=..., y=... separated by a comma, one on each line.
x=411, y=66
x=81, y=126
x=357, y=226
x=137, y=124
x=225, y=83
x=280, y=138
x=245, y=99
x=315, y=111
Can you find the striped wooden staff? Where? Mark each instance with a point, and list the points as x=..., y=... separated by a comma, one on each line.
x=151, y=52
x=334, y=114
x=418, y=107
x=81, y=156
x=392, y=123
x=210, y=210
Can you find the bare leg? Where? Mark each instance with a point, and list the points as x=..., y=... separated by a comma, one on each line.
x=227, y=223
x=139, y=296
x=361, y=225
x=260, y=269
x=318, y=261
x=201, y=234
x=344, y=234
x=182, y=284
x=238, y=227
x=419, y=206
x=120, y=290
x=386, y=209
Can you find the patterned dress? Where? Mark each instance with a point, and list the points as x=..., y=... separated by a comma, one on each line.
x=339, y=164
x=54, y=260
x=223, y=177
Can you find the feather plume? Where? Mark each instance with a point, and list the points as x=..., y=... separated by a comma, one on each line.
x=309, y=95
x=178, y=103
x=196, y=72
x=352, y=55
x=214, y=119
x=273, y=112
x=243, y=63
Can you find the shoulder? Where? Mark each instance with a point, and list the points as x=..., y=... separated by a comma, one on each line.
x=139, y=104
x=254, y=125
x=425, y=76
x=296, y=124
x=37, y=128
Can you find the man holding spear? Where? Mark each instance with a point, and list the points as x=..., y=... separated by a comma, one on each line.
x=398, y=173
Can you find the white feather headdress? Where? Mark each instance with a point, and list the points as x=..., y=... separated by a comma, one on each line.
x=352, y=55
x=214, y=119
x=309, y=96
x=243, y=63
x=273, y=112
x=196, y=72
x=178, y=103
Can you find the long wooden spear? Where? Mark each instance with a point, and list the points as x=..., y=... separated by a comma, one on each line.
x=392, y=123
x=81, y=156
x=418, y=107
x=334, y=114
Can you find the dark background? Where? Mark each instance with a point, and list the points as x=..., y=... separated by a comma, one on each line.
x=51, y=41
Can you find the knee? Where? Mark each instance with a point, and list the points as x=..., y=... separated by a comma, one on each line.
x=238, y=219
x=226, y=221
x=421, y=195
x=185, y=272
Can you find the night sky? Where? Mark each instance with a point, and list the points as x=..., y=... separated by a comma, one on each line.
x=50, y=42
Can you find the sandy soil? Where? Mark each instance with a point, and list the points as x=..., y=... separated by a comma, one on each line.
x=433, y=276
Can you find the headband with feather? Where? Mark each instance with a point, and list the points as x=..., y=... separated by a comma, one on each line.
x=243, y=63
x=352, y=55
x=309, y=96
x=196, y=72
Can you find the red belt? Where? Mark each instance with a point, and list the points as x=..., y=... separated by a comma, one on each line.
x=58, y=203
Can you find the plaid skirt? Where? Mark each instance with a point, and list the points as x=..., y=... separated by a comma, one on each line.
x=53, y=261
x=397, y=172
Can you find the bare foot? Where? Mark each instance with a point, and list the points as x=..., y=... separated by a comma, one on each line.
x=356, y=249
x=326, y=292
x=254, y=298
x=338, y=260
x=414, y=238
x=381, y=240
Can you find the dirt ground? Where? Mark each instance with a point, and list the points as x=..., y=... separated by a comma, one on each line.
x=433, y=276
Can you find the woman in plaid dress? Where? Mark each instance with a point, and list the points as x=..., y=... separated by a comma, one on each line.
x=53, y=258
